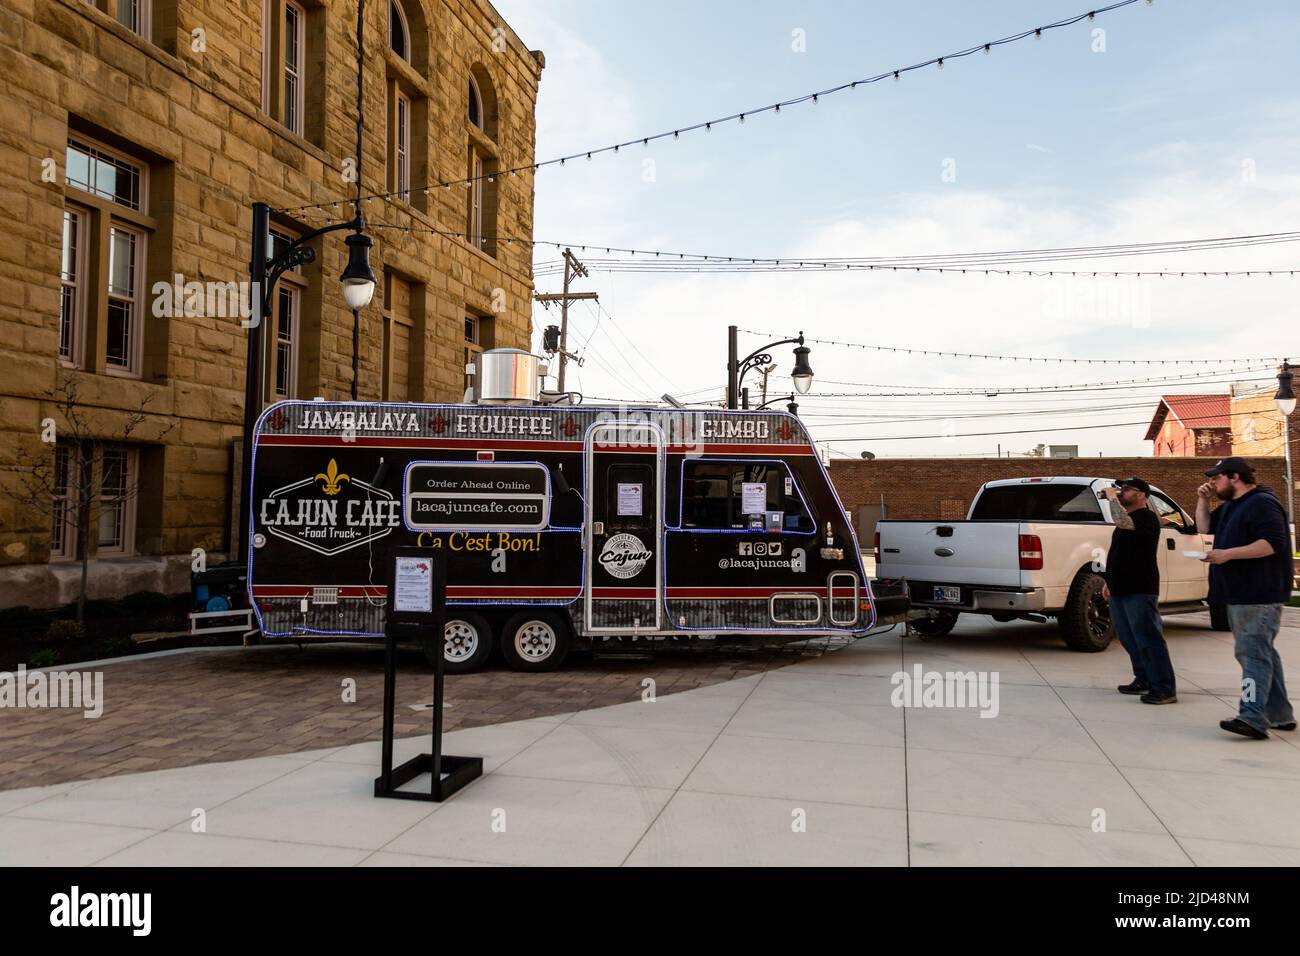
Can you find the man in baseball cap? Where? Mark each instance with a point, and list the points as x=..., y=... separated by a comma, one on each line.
x=1133, y=590
x=1251, y=571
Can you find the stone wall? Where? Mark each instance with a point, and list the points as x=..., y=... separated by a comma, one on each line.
x=186, y=104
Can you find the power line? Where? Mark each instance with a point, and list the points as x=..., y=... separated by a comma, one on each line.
x=739, y=118
x=1027, y=431
x=957, y=261
x=1024, y=358
x=659, y=260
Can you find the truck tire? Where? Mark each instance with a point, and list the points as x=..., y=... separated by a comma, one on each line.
x=1219, y=617
x=937, y=626
x=467, y=643
x=535, y=641
x=1085, y=622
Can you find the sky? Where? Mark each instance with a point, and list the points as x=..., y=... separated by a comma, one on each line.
x=1179, y=121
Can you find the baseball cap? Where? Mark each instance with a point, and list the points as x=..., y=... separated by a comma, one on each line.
x=1229, y=466
x=1137, y=483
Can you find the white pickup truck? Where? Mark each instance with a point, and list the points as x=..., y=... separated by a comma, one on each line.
x=1034, y=548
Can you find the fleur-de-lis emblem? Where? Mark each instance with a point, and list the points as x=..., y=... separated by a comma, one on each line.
x=332, y=478
x=570, y=426
x=439, y=424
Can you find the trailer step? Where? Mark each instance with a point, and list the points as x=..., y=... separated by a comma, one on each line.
x=618, y=651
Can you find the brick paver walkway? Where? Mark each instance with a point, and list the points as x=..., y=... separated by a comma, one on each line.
x=214, y=706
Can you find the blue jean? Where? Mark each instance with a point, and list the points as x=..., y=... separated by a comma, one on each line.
x=1140, y=630
x=1264, y=703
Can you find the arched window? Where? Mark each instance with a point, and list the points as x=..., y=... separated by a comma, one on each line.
x=399, y=32
x=483, y=161
x=475, y=103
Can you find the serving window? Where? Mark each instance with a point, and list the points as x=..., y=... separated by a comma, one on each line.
x=742, y=496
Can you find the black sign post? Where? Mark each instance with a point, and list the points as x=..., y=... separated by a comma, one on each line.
x=417, y=609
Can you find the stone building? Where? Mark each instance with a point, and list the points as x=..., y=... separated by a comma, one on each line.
x=134, y=137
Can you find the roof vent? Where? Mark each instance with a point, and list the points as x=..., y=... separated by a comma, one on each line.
x=507, y=377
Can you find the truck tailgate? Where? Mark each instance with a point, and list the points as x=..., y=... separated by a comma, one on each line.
x=951, y=552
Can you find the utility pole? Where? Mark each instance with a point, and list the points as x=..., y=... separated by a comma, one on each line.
x=572, y=267
x=766, y=370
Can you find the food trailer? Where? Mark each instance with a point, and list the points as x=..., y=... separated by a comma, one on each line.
x=564, y=524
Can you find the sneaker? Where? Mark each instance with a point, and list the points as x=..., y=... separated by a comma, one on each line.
x=1133, y=688
x=1239, y=726
x=1154, y=698
x=1289, y=725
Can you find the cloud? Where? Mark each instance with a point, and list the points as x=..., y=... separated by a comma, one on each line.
x=679, y=321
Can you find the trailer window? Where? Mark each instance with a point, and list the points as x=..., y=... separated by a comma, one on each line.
x=1037, y=502
x=714, y=495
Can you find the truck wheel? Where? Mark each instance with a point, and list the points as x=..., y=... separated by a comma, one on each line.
x=467, y=643
x=935, y=626
x=1219, y=617
x=1085, y=622
x=535, y=641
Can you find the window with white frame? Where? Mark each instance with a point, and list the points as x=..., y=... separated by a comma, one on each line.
x=105, y=220
x=117, y=482
x=63, y=527
x=475, y=225
x=122, y=337
x=134, y=15
x=295, y=46
x=402, y=147
x=72, y=277
x=284, y=344
x=475, y=103
x=287, y=59
x=398, y=31
x=105, y=174
x=289, y=304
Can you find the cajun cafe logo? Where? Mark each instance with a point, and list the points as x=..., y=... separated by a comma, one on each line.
x=329, y=512
x=624, y=556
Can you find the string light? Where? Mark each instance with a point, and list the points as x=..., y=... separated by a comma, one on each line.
x=806, y=98
x=1028, y=358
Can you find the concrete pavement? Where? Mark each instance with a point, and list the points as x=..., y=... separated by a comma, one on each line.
x=808, y=764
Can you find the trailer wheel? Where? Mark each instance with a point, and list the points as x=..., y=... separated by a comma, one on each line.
x=535, y=641
x=936, y=625
x=467, y=643
x=1085, y=622
x=1219, y=617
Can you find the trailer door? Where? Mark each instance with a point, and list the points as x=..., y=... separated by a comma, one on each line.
x=624, y=528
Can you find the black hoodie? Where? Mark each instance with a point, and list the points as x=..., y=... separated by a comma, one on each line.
x=1256, y=515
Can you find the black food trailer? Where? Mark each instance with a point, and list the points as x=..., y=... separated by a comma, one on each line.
x=563, y=524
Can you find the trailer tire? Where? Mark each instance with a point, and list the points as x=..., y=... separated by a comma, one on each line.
x=467, y=643
x=937, y=626
x=1085, y=622
x=535, y=641
x=1219, y=617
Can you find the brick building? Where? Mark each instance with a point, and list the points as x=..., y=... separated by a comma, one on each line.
x=1257, y=424
x=134, y=137
x=943, y=488
x=1189, y=426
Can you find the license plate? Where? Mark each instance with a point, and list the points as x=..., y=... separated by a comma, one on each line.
x=947, y=595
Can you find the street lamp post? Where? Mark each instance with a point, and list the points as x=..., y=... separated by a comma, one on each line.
x=736, y=368
x=265, y=270
x=1286, y=402
x=358, y=281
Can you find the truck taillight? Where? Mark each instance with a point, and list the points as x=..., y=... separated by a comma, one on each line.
x=877, y=547
x=1031, y=552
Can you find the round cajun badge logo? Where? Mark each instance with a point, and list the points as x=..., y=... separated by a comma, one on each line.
x=624, y=556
